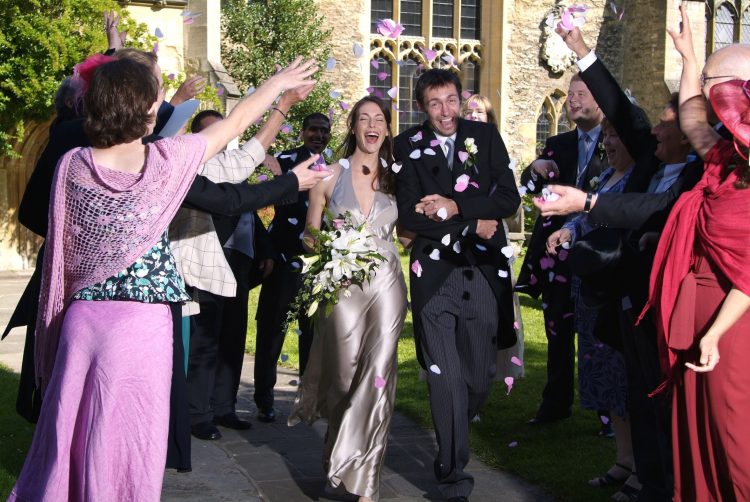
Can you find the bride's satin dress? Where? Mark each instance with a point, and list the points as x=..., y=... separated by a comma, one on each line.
x=350, y=378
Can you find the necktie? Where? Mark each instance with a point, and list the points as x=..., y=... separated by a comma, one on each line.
x=583, y=160
x=243, y=238
x=656, y=180
x=449, y=143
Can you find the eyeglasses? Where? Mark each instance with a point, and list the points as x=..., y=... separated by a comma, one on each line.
x=702, y=79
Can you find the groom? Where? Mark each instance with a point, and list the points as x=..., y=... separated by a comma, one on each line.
x=453, y=185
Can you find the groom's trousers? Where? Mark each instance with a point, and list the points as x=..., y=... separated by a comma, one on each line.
x=458, y=329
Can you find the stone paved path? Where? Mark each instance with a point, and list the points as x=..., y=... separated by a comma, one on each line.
x=276, y=463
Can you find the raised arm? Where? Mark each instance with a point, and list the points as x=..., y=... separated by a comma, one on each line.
x=693, y=106
x=317, y=202
x=252, y=107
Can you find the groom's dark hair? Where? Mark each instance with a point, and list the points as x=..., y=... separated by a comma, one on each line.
x=435, y=78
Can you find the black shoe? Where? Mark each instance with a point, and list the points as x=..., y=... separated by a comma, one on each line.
x=232, y=421
x=206, y=431
x=267, y=415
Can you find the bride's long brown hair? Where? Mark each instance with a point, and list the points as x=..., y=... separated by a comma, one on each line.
x=384, y=180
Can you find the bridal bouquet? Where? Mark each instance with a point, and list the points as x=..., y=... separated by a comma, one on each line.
x=344, y=255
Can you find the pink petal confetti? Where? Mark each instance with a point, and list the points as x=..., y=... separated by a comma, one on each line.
x=473, y=104
x=622, y=13
x=561, y=279
x=219, y=89
x=604, y=419
x=189, y=20
x=533, y=280
x=357, y=50
x=551, y=174
x=463, y=156
x=550, y=153
x=516, y=326
x=344, y=105
x=382, y=76
x=262, y=177
x=466, y=95
x=378, y=93
x=284, y=358
x=546, y=223
x=417, y=137
x=573, y=17
x=370, y=90
x=416, y=267
x=434, y=142
x=515, y=360
x=171, y=76
x=512, y=444
x=474, y=184
x=379, y=382
x=155, y=48
x=429, y=54
x=330, y=64
x=562, y=254
x=546, y=262
x=569, y=314
x=461, y=183
x=393, y=92
x=551, y=324
x=375, y=64
x=509, y=383
x=286, y=129
x=389, y=28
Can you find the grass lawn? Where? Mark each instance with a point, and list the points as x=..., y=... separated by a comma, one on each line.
x=559, y=457
x=15, y=432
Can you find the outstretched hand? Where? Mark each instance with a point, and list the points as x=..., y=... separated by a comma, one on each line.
x=295, y=95
x=297, y=74
x=189, y=89
x=308, y=178
x=571, y=200
x=683, y=36
x=574, y=40
x=115, y=38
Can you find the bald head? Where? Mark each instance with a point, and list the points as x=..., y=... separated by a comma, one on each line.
x=728, y=63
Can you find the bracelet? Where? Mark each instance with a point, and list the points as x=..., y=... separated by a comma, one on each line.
x=587, y=204
x=278, y=110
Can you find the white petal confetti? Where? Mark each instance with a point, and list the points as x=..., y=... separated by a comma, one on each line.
x=566, y=245
x=383, y=162
x=522, y=191
x=446, y=239
x=293, y=221
x=344, y=163
x=298, y=332
x=396, y=167
x=481, y=247
x=284, y=358
x=457, y=247
x=429, y=151
x=507, y=251
x=334, y=94
x=512, y=444
x=434, y=368
x=442, y=213
x=415, y=154
x=330, y=64
x=435, y=254
x=465, y=231
x=357, y=50
x=502, y=273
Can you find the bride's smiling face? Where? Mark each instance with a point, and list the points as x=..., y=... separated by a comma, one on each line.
x=370, y=128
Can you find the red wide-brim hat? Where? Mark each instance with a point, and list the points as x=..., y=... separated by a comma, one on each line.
x=731, y=103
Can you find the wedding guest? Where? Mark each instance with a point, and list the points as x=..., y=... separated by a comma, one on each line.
x=104, y=331
x=571, y=158
x=354, y=347
x=452, y=189
x=479, y=108
x=280, y=288
x=602, y=378
x=700, y=286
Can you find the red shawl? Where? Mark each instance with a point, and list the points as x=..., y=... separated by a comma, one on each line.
x=716, y=214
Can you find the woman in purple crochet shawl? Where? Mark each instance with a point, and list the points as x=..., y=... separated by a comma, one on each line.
x=104, y=330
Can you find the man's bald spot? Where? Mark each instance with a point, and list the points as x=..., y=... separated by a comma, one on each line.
x=730, y=60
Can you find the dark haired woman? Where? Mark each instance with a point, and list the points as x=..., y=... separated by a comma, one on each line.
x=700, y=285
x=104, y=331
x=351, y=375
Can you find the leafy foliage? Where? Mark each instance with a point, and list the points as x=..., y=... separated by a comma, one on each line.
x=40, y=42
x=260, y=34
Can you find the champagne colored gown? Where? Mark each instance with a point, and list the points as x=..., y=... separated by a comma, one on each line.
x=350, y=378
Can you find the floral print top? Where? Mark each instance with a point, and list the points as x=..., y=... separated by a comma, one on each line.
x=153, y=278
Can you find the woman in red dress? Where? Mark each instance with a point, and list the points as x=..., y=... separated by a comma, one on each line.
x=700, y=284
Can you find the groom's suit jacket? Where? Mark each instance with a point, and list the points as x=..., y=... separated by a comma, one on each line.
x=494, y=197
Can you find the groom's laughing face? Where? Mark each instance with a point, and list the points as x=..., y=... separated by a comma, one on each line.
x=443, y=107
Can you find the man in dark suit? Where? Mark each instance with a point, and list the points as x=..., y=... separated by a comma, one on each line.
x=572, y=158
x=281, y=287
x=665, y=155
x=453, y=186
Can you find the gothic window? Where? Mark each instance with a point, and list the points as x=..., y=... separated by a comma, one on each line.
x=409, y=114
x=725, y=25
x=470, y=76
x=552, y=118
x=745, y=27
x=442, y=18
x=727, y=22
x=411, y=17
x=543, y=126
x=380, y=86
x=470, y=19
x=380, y=9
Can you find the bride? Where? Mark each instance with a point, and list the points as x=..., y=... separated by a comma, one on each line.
x=350, y=379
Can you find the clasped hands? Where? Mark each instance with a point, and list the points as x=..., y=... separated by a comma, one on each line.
x=439, y=208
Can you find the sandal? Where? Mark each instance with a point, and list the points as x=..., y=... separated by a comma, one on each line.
x=628, y=493
x=609, y=480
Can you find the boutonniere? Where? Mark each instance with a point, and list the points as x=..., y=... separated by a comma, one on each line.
x=468, y=155
x=594, y=183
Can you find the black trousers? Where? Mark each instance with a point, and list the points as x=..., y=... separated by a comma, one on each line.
x=557, y=396
x=458, y=339
x=650, y=418
x=277, y=293
x=217, y=346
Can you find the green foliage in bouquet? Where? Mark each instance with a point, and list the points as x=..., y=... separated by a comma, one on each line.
x=344, y=255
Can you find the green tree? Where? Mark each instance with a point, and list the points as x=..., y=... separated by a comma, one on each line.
x=260, y=34
x=40, y=42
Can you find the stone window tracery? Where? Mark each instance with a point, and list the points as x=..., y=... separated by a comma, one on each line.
x=727, y=22
x=552, y=118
